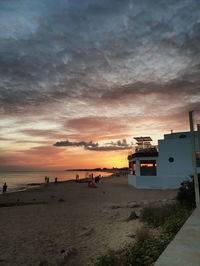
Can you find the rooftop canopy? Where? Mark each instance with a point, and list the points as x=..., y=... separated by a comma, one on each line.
x=140, y=139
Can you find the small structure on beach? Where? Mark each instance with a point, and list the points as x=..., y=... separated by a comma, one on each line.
x=164, y=166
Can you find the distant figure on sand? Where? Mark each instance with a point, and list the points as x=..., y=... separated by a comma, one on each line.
x=47, y=180
x=5, y=187
x=56, y=180
x=96, y=179
x=91, y=184
x=77, y=178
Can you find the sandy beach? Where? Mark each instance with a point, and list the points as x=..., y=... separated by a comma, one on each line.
x=36, y=225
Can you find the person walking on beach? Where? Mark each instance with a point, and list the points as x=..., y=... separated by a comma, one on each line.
x=5, y=188
x=56, y=180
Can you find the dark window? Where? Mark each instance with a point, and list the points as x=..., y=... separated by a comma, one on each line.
x=171, y=159
x=148, y=167
x=132, y=168
x=182, y=136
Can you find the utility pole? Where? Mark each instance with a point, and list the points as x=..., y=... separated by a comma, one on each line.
x=196, y=182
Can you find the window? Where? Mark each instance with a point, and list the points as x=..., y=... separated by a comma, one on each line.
x=171, y=159
x=132, y=168
x=182, y=136
x=148, y=167
x=197, y=159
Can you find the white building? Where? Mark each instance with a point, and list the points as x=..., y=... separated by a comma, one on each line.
x=168, y=165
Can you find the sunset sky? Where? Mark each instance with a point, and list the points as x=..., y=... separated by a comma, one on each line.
x=79, y=79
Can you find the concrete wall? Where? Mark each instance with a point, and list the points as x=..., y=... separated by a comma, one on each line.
x=172, y=182
x=156, y=182
x=148, y=182
x=145, y=181
x=173, y=173
x=180, y=150
x=132, y=180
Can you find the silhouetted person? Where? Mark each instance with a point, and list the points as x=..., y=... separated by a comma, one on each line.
x=56, y=180
x=96, y=179
x=77, y=178
x=4, y=188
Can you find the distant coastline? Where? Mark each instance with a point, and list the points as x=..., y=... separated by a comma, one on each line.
x=107, y=170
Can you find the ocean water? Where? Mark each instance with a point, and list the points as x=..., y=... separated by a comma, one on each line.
x=17, y=181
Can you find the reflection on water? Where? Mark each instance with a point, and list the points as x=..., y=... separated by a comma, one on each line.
x=19, y=180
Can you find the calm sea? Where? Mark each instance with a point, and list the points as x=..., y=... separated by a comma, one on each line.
x=17, y=181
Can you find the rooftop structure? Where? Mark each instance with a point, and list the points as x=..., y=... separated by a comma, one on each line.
x=166, y=167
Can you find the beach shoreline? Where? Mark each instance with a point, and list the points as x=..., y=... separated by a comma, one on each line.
x=39, y=180
x=42, y=222
x=31, y=186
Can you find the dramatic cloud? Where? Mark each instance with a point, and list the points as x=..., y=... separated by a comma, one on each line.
x=112, y=146
x=76, y=144
x=55, y=51
x=96, y=70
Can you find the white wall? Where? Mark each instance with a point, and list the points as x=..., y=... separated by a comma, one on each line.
x=144, y=181
x=132, y=180
x=169, y=174
x=148, y=182
x=156, y=182
x=180, y=150
x=172, y=182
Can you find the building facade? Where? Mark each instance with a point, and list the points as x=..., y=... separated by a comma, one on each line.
x=166, y=166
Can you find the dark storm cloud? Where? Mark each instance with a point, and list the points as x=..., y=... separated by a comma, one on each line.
x=112, y=146
x=108, y=148
x=56, y=50
x=119, y=143
x=76, y=144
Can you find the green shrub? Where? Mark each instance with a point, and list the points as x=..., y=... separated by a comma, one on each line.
x=175, y=222
x=110, y=259
x=141, y=253
x=145, y=253
x=159, y=215
x=186, y=193
x=155, y=215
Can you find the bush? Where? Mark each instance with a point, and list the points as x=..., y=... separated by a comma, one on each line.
x=110, y=259
x=145, y=253
x=155, y=215
x=142, y=234
x=186, y=193
x=141, y=253
x=171, y=216
x=175, y=222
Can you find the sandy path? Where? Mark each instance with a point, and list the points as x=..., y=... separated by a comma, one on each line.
x=89, y=220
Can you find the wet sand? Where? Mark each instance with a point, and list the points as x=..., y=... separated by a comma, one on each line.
x=36, y=225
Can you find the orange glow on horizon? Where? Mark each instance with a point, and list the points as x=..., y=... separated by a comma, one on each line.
x=58, y=158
